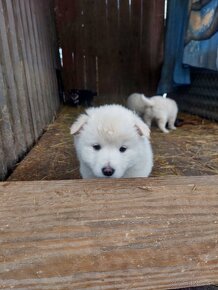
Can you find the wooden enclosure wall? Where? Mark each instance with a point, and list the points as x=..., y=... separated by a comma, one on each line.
x=114, y=47
x=28, y=86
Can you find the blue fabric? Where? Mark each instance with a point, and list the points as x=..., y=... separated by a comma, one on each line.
x=191, y=40
x=201, y=49
x=173, y=71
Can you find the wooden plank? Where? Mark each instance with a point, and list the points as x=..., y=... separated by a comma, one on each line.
x=26, y=71
x=65, y=15
x=41, y=22
x=107, y=48
x=42, y=88
x=103, y=57
x=45, y=21
x=23, y=103
x=78, y=48
x=136, y=26
x=90, y=41
x=19, y=75
x=112, y=51
x=28, y=64
x=151, y=39
x=34, y=55
x=3, y=161
x=145, y=233
x=39, y=15
x=71, y=32
x=125, y=55
x=54, y=58
x=8, y=154
x=12, y=100
x=51, y=46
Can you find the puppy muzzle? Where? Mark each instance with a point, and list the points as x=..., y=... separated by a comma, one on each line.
x=108, y=171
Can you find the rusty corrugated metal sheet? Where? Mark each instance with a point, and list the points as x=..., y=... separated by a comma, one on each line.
x=28, y=86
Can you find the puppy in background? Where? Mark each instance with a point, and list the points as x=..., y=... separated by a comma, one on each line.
x=136, y=103
x=159, y=109
x=76, y=98
x=112, y=142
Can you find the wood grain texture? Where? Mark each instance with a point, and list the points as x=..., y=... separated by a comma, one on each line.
x=19, y=73
x=116, y=45
x=12, y=100
x=28, y=87
x=155, y=233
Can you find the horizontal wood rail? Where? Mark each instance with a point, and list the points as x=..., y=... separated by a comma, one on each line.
x=154, y=233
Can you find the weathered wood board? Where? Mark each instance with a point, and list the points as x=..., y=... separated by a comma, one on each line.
x=112, y=47
x=155, y=233
x=29, y=97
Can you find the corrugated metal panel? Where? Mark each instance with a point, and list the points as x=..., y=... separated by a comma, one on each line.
x=201, y=97
x=111, y=46
x=28, y=86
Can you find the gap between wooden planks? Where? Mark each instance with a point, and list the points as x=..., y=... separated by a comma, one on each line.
x=154, y=233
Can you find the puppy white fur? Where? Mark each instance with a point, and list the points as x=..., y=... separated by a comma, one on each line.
x=135, y=102
x=158, y=109
x=112, y=141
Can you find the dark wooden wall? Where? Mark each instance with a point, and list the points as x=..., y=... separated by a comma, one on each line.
x=28, y=86
x=111, y=46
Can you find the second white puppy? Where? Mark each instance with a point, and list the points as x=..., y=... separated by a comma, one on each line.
x=161, y=110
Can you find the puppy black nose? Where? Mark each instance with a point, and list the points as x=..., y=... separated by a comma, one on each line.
x=108, y=171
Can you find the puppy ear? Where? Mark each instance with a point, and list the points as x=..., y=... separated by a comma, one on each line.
x=141, y=128
x=78, y=124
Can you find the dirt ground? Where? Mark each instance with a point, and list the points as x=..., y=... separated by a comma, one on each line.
x=190, y=150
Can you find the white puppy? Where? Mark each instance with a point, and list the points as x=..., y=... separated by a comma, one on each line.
x=112, y=141
x=135, y=102
x=159, y=109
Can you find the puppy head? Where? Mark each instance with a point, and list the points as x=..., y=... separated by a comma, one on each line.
x=141, y=128
x=108, y=140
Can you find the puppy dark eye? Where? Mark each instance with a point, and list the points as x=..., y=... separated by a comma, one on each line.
x=97, y=147
x=123, y=149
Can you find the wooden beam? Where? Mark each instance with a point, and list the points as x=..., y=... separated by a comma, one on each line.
x=154, y=233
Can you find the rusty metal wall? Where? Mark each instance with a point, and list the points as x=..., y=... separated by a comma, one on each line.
x=114, y=47
x=28, y=87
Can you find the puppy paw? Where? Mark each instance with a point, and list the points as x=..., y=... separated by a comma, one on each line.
x=165, y=131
